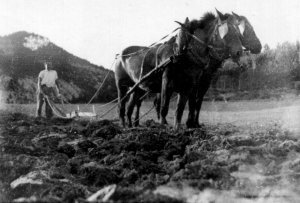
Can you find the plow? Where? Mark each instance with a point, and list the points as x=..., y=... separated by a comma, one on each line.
x=79, y=114
x=92, y=115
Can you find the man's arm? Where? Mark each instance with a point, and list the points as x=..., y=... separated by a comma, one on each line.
x=39, y=86
x=56, y=85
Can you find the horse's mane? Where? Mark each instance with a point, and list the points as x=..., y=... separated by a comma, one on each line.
x=201, y=24
x=197, y=24
x=206, y=19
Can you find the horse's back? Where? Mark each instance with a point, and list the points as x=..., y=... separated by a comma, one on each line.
x=136, y=61
x=132, y=50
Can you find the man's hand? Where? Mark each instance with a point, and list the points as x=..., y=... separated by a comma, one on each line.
x=39, y=91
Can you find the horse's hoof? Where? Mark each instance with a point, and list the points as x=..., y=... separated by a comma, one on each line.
x=163, y=122
x=190, y=124
x=178, y=126
x=123, y=124
x=197, y=125
x=129, y=124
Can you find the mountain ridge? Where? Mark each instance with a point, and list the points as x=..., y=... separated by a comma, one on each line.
x=21, y=59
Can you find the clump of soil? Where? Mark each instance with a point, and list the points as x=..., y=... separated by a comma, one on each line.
x=70, y=160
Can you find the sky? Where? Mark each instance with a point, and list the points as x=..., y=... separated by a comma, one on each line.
x=97, y=30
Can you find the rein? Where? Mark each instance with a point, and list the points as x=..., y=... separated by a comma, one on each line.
x=151, y=45
x=213, y=50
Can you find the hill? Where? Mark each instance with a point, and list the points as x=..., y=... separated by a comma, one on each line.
x=21, y=57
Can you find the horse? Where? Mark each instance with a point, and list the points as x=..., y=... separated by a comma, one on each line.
x=251, y=43
x=197, y=42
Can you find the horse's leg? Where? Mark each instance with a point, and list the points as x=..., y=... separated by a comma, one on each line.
x=122, y=90
x=156, y=103
x=190, y=123
x=137, y=112
x=204, y=86
x=199, y=101
x=166, y=93
x=182, y=99
x=130, y=108
x=135, y=100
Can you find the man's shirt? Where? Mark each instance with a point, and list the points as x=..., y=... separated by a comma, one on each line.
x=48, y=78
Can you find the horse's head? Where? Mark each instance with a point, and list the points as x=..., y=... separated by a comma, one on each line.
x=182, y=38
x=216, y=33
x=248, y=36
x=225, y=37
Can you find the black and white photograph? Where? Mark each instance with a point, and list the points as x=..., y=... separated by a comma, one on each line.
x=172, y=101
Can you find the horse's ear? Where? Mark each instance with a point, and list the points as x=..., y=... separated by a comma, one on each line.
x=182, y=25
x=236, y=15
x=187, y=21
x=221, y=16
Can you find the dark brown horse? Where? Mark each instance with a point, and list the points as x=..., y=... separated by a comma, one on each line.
x=197, y=43
x=249, y=41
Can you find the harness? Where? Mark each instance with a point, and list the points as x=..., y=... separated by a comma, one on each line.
x=150, y=46
x=217, y=53
x=213, y=51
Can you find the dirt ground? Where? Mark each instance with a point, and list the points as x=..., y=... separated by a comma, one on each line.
x=236, y=156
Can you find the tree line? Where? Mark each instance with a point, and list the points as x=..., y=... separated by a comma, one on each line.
x=273, y=69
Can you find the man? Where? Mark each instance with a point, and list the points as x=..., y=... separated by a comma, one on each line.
x=47, y=86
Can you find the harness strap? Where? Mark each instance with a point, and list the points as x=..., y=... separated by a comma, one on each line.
x=156, y=59
x=213, y=51
x=141, y=50
x=200, y=59
x=156, y=54
x=55, y=109
x=142, y=65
